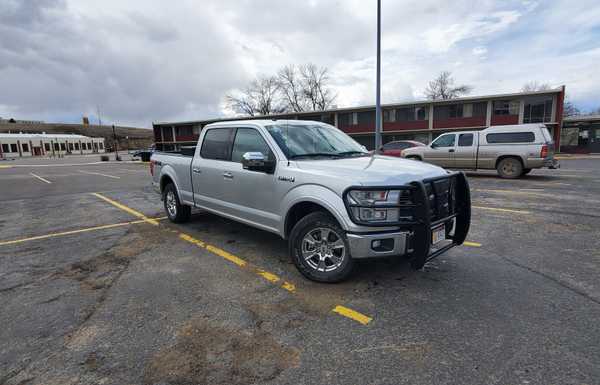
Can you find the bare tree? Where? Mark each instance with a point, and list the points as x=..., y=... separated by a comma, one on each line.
x=291, y=88
x=569, y=109
x=317, y=94
x=259, y=98
x=443, y=87
x=534, y=85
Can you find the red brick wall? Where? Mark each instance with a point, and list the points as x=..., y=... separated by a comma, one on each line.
x=498, y=120
x=460, y=122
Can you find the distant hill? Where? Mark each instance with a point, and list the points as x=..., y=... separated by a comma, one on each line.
x=138, y=137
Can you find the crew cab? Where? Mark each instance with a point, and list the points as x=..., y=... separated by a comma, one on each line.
x=511, y=150
x=313, y=185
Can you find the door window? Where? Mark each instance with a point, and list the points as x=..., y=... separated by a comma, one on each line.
x=445, y=141
x=465, y=140
x=249, y=140
x=217, y=144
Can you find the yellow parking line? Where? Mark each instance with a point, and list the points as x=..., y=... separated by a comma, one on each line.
x=352, y=314
x=98, y=173
x=62, y=233
x=40, y=178
x=127, y=209
x=501, y=210
x=344, y=311
x=472, y=244
x=5, y=166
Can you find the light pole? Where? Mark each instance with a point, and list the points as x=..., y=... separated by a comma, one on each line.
x=116, y=143
x=378, y=81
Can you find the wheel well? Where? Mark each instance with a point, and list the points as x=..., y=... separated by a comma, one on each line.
x=299, y=211
x=501, y=158
x=165, y=180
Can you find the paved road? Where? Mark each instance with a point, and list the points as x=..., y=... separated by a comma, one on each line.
x=141, y=303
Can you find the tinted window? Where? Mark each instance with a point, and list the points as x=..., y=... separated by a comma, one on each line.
x=465, y=140
x=445, y=141
x=5, y=148
x=25, y=147
x=13, y=148
x=217, y=143
x=511, y=137
x=249, y=140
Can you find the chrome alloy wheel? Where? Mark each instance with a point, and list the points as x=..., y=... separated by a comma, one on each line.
x=323, y=249
x=171, y=203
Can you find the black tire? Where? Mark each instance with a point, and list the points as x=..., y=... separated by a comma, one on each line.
x=176, y=212
x=510, y=168
x=526, y=171
x=316, y=267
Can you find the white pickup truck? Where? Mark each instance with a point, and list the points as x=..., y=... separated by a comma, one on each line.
x=315, y=186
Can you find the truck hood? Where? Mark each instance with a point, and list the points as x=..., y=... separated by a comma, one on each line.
x=372, y=170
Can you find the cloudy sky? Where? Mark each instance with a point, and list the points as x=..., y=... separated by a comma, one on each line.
x=152, y=60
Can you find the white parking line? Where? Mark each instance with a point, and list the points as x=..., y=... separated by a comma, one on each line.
x=40, y=178
x=97, y=173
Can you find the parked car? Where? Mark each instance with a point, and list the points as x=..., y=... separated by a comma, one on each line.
x=395, y=148
x=144, y=155
x=511, y=150
x=312, y=184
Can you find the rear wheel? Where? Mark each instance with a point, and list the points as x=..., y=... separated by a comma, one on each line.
x=510, y=168
x=319, y=248
x=177, y=212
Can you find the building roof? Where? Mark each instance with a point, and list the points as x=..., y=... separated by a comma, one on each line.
x=44, y=136
x=371, y=107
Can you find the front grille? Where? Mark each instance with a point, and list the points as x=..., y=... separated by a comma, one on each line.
x=441, y=194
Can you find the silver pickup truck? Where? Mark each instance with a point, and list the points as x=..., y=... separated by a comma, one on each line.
x=512, y=150
x=315, y=186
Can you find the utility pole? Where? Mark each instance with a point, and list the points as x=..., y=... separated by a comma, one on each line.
x=116, y=143
x=99, y=118
x=378, y=87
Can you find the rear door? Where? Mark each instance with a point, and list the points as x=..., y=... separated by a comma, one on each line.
x=441, y=151
x=209, y=167
x=466, y=151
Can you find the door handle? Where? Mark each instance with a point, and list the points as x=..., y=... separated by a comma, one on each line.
x=227, y=175
x=451, y=150
x=196, y=170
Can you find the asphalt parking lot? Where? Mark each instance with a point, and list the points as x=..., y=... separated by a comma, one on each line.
x=97, y=288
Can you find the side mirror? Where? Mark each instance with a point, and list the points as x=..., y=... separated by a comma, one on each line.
x=433, y=145
x=256, y=161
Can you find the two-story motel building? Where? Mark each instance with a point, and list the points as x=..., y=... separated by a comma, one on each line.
x=417, y=120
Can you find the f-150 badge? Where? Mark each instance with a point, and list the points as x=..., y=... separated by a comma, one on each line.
x=286, y=178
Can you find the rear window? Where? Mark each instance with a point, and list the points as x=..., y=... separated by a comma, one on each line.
x=217, y=144
x=465, y=140
x=511, y=137
x=396, y=146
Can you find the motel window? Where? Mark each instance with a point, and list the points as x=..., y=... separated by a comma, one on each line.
x=506, y=107
x=387, y=115
x=421, y=113
x=71, y=146
x=76, y=146
x=167, y=134
x=538, y=110
x=62, y=147
x=184, y=131
x=366, y=117
x=13, y=148
x=55, y=146
x=5, y=147
x=47, y=146
x=89, y=146
x=101, y=146
x=449, y=111
x=408, y=114
x=25, y=147
x=344, y=119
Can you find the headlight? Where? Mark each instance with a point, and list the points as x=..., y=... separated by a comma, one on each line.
x=380, y=206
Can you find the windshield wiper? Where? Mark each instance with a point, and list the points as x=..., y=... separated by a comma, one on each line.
x=315, y=154
x=352, y=153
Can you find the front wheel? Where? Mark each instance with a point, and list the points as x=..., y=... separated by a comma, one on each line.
x=177, y=212
x=320, y=249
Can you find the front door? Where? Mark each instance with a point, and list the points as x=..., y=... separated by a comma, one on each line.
x=441, y=151
x=251, y=195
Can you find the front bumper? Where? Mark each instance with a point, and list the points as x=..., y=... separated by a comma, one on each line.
x=440, y=200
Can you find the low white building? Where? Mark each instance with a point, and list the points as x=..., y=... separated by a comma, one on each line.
x=25, y=145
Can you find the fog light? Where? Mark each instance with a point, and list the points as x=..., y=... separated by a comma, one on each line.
x=381, y=245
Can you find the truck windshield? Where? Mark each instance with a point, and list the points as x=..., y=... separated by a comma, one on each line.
x=317, y=140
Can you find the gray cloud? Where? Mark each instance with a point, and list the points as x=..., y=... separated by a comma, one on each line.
x=144, y=60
